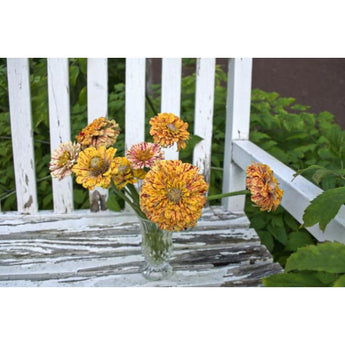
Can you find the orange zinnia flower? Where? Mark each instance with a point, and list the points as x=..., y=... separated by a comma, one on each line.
x=167, y=129
x=263, y=187
x=100, y=132
x=173, y=195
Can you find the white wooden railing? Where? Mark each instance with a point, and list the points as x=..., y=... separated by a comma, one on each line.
x=239, y=151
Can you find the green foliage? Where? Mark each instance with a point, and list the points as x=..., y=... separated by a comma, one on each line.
x=278, y=231
x=310, y=143
x=324, y=207
x=313, y=265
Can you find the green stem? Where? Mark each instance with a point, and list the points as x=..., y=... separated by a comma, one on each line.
x=220, y=196
x=135, y=208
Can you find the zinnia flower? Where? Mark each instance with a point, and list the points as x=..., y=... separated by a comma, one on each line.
x=263, y=187
x=122, y=172
x=173, y=195
x=101, y=132
x=143, y=155
x=63, y=159
x=167, y=129
x=94, y=167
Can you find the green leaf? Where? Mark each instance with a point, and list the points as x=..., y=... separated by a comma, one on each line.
x=340, y=282
x=327, y=256
x=82, y=100
x=258, y=222
x=326, y=277
x=73, y=75
x=290, y=221
x=113, y=203
x=279, y=233
x=305, y=279
x=266, y=239
x=324, y=207
x=83, y=65
x=277, y=229
x=298, y=239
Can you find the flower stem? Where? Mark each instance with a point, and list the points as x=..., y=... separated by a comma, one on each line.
x=220, y=196
x=136, y=208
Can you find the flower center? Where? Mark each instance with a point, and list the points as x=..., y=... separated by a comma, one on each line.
x=172, y=127
x=63, y=159
x=122, y=169
x=144, y=155
x=174, y=195
x=98, y=166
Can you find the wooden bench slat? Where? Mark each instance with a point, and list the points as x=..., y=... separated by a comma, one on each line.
x=22, y=134
x=237, y=127
x=135, y=102
x=220, y=251
x=171, y=94
x=203, y=119
x=59, y=127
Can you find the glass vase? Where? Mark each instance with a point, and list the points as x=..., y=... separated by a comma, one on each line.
x=157, y=248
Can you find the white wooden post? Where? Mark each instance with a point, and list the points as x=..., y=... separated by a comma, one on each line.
x=203, y=119
x=97, y=99
x=135, y=102
x=60, y=127
x=171, y=94
x=22, y=134
x=237, y=128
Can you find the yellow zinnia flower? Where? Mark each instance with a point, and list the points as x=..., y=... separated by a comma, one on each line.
x=167, y=129
x=94, y=167
x=100, y=132
x=122, y=172
x=173, y=195
x=263, y=187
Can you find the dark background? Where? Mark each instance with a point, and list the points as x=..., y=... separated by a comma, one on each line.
x=319, y=83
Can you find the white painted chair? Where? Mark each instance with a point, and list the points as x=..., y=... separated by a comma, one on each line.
x=66, y=247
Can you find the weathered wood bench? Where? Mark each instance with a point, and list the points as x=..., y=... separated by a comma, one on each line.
x=66, y=247
x=83, y=250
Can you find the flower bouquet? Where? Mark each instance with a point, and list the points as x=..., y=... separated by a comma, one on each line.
x=166, y=195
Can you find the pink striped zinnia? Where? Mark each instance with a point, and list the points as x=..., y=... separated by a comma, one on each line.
x=143, y=155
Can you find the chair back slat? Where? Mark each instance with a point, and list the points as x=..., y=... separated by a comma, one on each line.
x=171, y=93
x=97, y=88
x=135, y=102
x=22, y=134
x=237, y=127
x=97, y=102
x=203, y=120
x=60, y=127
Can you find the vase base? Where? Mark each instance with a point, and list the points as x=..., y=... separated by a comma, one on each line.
x=157, y=272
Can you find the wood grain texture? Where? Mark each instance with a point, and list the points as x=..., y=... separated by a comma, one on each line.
x=59, y=127
x=203, y=118
x=171, y=94
x=22, y=134
x=104, y=250
x=135, y=102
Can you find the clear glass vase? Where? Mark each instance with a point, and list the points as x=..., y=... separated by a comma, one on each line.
x=157, y=248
